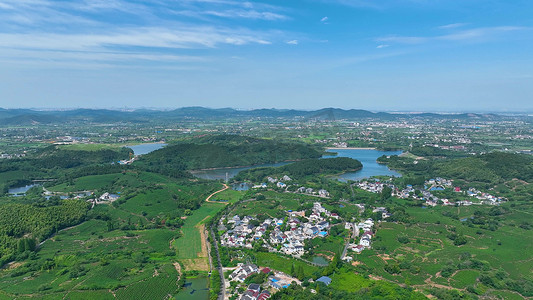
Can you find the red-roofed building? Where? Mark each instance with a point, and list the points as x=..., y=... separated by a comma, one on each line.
x=266, y=270
x=264, y=295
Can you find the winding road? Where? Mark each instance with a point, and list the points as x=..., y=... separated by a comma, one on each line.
x=222, y=294
x=221, y=190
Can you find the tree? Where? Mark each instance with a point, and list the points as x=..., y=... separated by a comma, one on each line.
x=386, y=193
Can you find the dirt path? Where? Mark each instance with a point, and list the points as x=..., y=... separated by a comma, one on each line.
x=221, y=190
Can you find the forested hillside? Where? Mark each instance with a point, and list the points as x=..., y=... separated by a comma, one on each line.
x=54, y=162
x=22, y=226
x=224, y=151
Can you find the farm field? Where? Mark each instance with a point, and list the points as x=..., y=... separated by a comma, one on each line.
x=430, y=257
x=191, y=250
x=124, y=248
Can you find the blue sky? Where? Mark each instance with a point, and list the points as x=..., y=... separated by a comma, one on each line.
x=410, y=55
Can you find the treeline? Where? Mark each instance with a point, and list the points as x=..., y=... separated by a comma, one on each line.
x=428, y=151
x=375, y=290
x=488, y=169
x=22, y=225
x=304, y=168
x=53, y=162
x=225, y=151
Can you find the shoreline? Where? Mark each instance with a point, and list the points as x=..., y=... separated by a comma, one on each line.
x=351, y=148
x=238, y=167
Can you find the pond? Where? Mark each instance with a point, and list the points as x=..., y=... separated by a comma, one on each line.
x=368, y=158
x=320, y=260
x=146, y=148
x=243, y=186
x=21, y=189
x=216, y=174
x=195, y=289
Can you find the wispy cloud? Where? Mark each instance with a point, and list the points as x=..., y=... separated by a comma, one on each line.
x=476, y=34
x=246, y=14
x=452, y=26
x=150, y=37
x=293, y=42
x=382, y=46
x=119, y=30
x=324, y=19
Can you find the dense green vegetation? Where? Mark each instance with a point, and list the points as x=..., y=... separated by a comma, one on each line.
x=303, y=168
x=130, y=248
x=22, y=225
x=224, y=151
x=485, y=170
x=56, y=163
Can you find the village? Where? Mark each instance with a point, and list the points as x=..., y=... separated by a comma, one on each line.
x=286, y=235
x=431, y=185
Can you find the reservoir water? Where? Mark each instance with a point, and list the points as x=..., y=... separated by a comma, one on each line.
x=21, y=190
x=146, y=148
x=368, y=158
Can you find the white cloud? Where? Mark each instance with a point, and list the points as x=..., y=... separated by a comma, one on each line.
x=50, y=30
x=293, y=42
x=382, y=46
x=476, y=34
x=452, y=26
x=246, y=14
x=324, y=19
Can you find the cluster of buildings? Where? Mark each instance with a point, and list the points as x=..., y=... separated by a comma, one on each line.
x=254, y=293
x=292, y=240
x=281, y=183
x=431, y=185
x=309, y=191
x=485, y=198
x=242, y=233
x=365, y=242
x=243, y=271
x=10, y=156
x=275, y=281
x=286, y=235
x=374, y=186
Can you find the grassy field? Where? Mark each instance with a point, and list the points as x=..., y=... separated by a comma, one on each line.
x=189, y=245
x=229, y=196
x=282, y=263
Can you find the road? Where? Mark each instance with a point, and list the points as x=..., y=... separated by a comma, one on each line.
x=221, y=190
x=354, y=234
x=222, y=294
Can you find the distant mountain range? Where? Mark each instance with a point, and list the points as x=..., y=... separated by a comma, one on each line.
x=29, y=116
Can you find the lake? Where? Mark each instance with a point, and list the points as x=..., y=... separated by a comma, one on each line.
x=146, y=148
x=368, y=158
x=195, y=289
x=215, y=174
x=21, y=190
